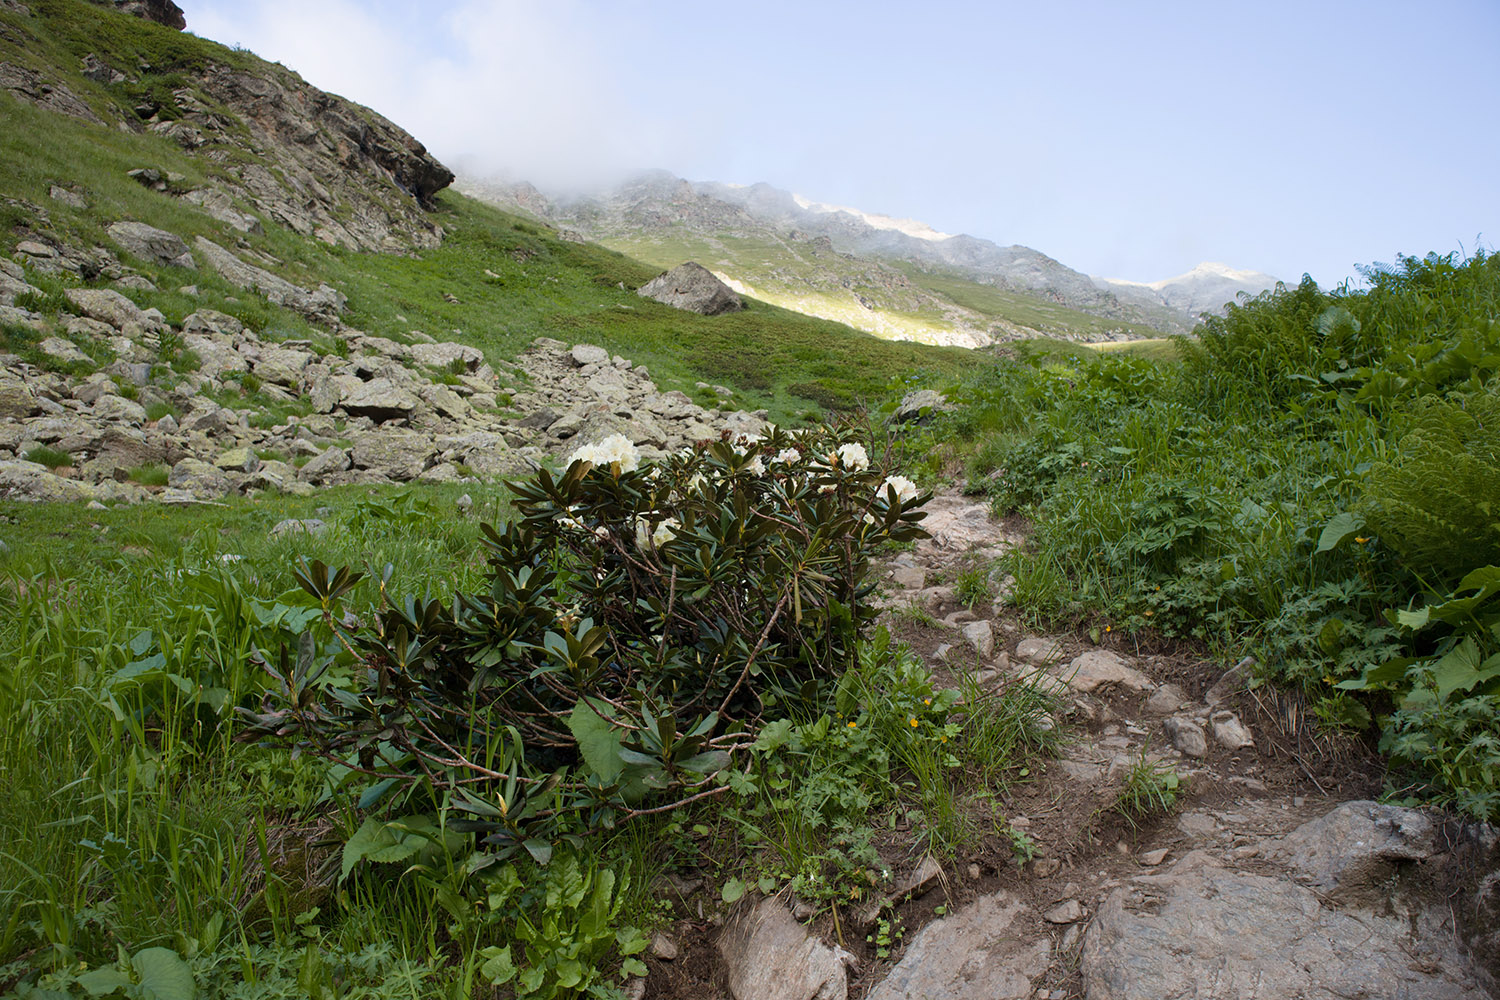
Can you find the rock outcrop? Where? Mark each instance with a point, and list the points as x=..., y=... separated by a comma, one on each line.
x=693, y=287
x=161, y=11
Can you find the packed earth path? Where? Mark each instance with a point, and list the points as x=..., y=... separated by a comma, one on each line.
x=1272, y=874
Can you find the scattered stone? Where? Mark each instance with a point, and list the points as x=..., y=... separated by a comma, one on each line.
x=1186, y=735
x=919, y=405
x=1039, y=652
x=909, y=577
x=587, y=354
x=1156, y=857
x=1230, y=732
x=70, y=198
x=663, y=947
x=769, y=956
x=981, y=636
x=1166, y=700
x=1230, y=682
x=63, y=350
x=1097, y=667
x=198, y=478
x=979, y=953
x=238, y=460
x=1067, y=912
x=693, y=287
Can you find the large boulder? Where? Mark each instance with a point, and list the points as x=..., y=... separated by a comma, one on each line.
x=693, y=287
x=982, y=952
x=769, y=956
x=398, y=453
x=150, y=243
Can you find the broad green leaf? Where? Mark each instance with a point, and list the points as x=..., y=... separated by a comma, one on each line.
x=103, y=982
x=732, y=890
x=498, y=967
x=379, y=841
x=164, y=975
x=1340, y=528
x=706, y=763
x=599, y=741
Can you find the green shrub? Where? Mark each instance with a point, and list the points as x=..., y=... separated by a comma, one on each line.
x=150, y=475
x=637, y=626
x=1436, y=501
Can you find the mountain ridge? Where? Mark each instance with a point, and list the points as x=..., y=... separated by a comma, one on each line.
x=907, y=268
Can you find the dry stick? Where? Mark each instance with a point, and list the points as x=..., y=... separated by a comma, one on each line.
x=633, y=813
x=765, y=634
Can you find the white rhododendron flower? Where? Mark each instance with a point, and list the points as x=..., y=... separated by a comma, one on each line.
x=756, y=467
x=787, y=456
x=869, y=518
x=664, y=533
x=852, y=456
x=615, y=451
x=647, y=537
x=745, y=439
x=905, y=488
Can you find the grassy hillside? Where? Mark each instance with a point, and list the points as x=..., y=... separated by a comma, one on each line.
x=497, y=281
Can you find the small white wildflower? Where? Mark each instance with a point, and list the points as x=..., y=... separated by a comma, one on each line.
x=642, y=533
x=827, y=488
x=852, y=456
x=231, y=557
x=905, y=488
x=787, y=456
x=601, y=533
x=869, y=518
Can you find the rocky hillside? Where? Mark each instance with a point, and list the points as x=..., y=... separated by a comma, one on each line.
x=217, y=278
x=891, y=277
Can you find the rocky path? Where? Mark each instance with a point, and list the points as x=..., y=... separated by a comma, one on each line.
x=1274, y=876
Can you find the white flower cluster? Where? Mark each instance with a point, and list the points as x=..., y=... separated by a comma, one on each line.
x=852, y=456
x=647, y=537
x=756, y=467
x=787, y=456
x=615, y=451
x=905, y=488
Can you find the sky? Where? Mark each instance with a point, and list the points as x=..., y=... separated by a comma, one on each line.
x=1127, y=140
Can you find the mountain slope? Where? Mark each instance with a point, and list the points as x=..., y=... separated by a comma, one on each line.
x=1206, y=288
x=312, y=190
x=891, y=277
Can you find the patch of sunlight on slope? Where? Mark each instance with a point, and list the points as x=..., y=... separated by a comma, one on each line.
x=880, y=323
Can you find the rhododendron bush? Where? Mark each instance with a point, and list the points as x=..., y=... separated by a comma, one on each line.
x=640, y=623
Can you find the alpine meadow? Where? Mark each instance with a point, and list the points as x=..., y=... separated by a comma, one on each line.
x=397, y=600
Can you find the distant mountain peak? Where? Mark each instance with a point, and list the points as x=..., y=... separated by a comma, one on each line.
x=911, y=227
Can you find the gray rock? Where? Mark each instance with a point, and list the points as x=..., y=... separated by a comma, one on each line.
x=588, y=354
x=1230, y=733
x=982, y=952
x=1186, y=735
x=1095, y=668
x=379, y=399
x=663, y=947
x=1039, y=651
x=398, y=453
x=325, y=464
x=237, y=460
x=1165, y=700
x=211, y=321
x=322, y=305
x=1069, y=911
x=444, y=354
x=1357, y=844
x=769, y=956
x=109, y=306
x=199, y=478
x=981, y=636
x=693, y=287
x=920, y=404
x=1230, y=683
x=16, y=398
x=150, y=243
x=218, y=205
x=119, y=410
x=63, y=350
x=909, y=577
x=1199, y=931
x=70, y=198
x=282, y=365
x=22, y=480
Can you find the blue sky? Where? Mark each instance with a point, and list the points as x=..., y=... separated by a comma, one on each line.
x=1126, y=140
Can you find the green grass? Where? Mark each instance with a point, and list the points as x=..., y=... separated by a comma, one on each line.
x=50, y=457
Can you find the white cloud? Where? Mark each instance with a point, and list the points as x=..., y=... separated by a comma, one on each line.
x=521, y=87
